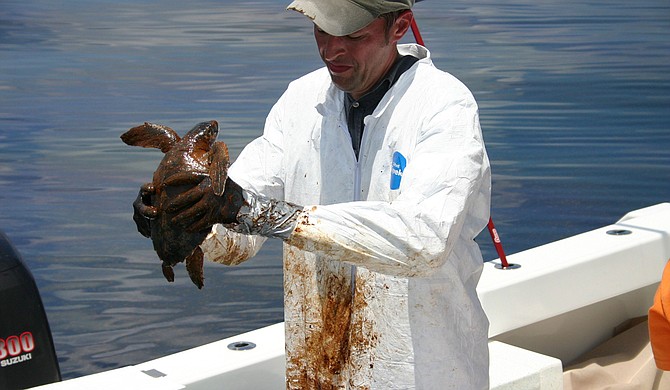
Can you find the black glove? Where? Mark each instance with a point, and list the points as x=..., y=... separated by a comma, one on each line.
x=199, y=208
x=143, y=211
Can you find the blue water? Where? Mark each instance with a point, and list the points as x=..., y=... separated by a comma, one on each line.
x=575, y=108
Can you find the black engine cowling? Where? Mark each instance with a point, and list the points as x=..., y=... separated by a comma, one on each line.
x=27, y=354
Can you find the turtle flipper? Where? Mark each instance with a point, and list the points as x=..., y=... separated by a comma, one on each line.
x=168, y=272
x=195, y=267
x=150, y=135
x=219, y=161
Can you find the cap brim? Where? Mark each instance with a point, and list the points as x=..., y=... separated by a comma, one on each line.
x=337, y=18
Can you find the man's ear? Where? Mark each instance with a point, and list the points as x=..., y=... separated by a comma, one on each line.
x=401, y=25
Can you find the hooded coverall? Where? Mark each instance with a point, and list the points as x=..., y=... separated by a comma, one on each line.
x=381, y=269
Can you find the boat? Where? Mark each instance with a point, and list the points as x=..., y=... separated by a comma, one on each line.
x=547, y=307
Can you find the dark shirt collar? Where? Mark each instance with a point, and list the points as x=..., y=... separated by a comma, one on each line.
x=357, y=110
x=375, y=95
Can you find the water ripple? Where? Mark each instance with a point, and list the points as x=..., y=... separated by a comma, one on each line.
x=573, y=99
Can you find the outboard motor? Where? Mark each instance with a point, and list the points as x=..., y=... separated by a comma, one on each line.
x=27, y=354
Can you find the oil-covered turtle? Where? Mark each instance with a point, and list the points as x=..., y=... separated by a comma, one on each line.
x=195, y=157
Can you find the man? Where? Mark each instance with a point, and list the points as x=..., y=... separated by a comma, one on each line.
x=374, y=173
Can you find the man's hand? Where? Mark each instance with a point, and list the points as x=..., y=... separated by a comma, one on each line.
x=199, y=208
x=143, y=210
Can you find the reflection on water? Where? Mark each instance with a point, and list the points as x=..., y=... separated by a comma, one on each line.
x=573, y=99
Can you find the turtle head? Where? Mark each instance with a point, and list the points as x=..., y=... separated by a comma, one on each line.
x=203, y=135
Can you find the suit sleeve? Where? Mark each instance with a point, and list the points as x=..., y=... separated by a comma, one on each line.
x=443, y=204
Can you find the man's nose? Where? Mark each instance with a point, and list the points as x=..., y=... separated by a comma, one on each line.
x=333, y=46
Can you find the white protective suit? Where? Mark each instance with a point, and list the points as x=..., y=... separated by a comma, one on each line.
x=380, y=272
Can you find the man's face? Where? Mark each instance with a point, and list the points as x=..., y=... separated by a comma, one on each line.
x=357, y=61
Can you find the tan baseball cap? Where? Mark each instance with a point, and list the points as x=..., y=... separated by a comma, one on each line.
x=343, y=17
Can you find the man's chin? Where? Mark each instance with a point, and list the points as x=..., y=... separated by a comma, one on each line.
x=340, y=83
